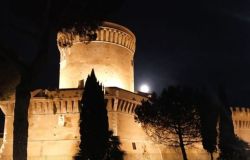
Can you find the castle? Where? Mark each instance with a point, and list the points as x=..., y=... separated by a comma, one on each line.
x=54, y=115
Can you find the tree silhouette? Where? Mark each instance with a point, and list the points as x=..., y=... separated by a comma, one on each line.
x=226, y=130
x=97, y=141
x=39, y=21
x=209, y=117
x=93, y=121
x=172, y=119
x=114, y=151
x=11, y=77
x=231, y=147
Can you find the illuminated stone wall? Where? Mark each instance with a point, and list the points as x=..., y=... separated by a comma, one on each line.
x=54, y=125
x=54, y=115
x=136, y=144
x=111, y=55
x=241, y=121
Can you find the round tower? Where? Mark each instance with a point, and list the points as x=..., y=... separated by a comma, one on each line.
x=111, y=55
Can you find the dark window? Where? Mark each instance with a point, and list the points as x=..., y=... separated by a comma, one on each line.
x=113, y=103
x=2, y=121
x=133, y=145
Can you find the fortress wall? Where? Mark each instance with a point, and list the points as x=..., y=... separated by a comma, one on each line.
x=53, y=129
x=110, y=55
x=54, y=126
x=136, y=144
x=54, y=115
x=112, y=64
x=7, y=108
x=241, y=121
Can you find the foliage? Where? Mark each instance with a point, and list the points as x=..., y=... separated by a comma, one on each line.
x=21, y=110
x=114, y=151
x=97, y=142
x=93, y=121
x=172, y=119
x=209, y=117
x=230, y=146
x=235, y=149
x=11, y=76
x=81, y=18
x=38, y=22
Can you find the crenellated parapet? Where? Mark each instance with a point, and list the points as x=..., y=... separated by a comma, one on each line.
x=121, y=105
x=116, y=34
x=107, y=33
x=46, y=105
x=111, y=55
x=54, y=106
x=67, y=101
x=241, y=117
x=54, y=121
x=122, y=101
x=7, y=107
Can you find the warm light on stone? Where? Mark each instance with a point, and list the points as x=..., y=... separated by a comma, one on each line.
x=54, y=115
x=111, y=55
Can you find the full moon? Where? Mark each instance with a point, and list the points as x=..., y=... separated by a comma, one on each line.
x=144, y=88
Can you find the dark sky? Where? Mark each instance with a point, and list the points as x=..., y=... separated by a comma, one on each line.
x=198, y=43
x=195, y=42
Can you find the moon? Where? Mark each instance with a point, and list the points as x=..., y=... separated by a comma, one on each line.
x=144, y=88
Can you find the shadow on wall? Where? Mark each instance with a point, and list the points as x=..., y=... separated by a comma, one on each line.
x=2, y=120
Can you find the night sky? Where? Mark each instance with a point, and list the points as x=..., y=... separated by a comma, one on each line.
x=196, y=42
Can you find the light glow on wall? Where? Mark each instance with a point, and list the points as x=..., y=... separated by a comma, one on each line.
x=111, y=82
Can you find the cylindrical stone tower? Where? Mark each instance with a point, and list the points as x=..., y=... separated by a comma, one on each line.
x=110, y=55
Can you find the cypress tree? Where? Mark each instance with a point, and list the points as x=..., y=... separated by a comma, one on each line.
x=209, y=118
x=93, y=121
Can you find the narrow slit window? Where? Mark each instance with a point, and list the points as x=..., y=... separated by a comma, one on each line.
x=133, y=145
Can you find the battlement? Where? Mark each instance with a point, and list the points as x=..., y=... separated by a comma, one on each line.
x=66, y=101
x=241, y=117
x=117, y=34
x=61, y=109
x=107, y=33
x=240, y=110
x=111, y=55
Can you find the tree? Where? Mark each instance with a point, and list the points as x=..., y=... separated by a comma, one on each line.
x=114, y=151
x=36, y=21
x=209, y=117
x=93, y=121
x=11, y=77
x=97, y=141
x=172, y=119
x=231, y=147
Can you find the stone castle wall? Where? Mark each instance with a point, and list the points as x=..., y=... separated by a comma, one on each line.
x=54, y=115
x=111, y=55
x=241, y=121
x=54, y=127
